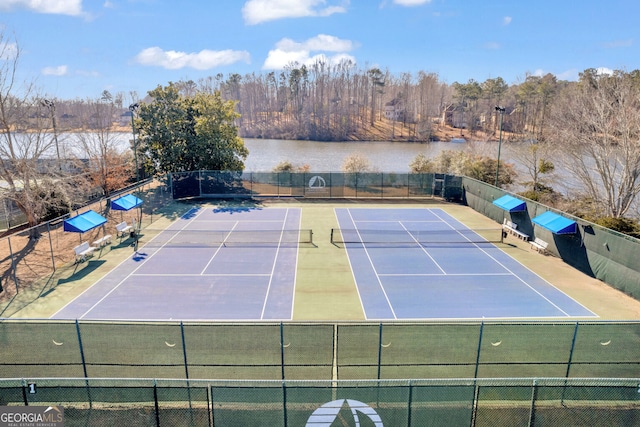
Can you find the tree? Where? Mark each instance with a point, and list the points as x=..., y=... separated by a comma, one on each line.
x=31, y=171
x=109, y=167
x=596, y=123
x=422, y=164
x=535, y=156
x=178, y=133
x=474, y=166
x=287, y=166
x=377, y=85
x=355, y=163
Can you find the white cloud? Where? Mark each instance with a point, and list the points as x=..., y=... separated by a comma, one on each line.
x=411, y=2
x=570, y=75
x=257, y=11
x=506, y=20
x=604, y=71
x=321, y=42
x=57, y=7
x=60, y=70
x=203, y=60
x=288, y=51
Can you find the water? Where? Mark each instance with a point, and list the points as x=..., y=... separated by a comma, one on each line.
x=383, y=156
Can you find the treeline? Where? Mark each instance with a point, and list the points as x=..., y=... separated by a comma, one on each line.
x=342, y=102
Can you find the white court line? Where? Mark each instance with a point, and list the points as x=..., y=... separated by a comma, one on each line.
x=423, y=248
x=507, y=269
x=176, y=231
x=441, y=275
x=102, y=278
x=273, y=267
x=219, y=247
x=202, y=275
x=295, y=270
x=384, y=292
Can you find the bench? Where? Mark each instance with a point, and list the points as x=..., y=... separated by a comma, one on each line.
x=83, y=251
x=539, y=245
x=512, y=228
x=103, y=241
x=123, y=228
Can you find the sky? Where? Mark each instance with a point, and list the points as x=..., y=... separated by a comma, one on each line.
x=78, y=48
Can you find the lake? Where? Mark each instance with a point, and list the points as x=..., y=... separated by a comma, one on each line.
x=383, y=156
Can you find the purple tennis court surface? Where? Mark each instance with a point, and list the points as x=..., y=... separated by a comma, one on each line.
x=168, y=281
x=452, y=278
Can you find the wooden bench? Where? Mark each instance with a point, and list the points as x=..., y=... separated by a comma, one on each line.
x=512, y=228
x=123, y=228
x=103, y=241
x=539, y=245
x=83, y=251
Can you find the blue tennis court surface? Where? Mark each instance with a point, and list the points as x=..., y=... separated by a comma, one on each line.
x=450, y=275
x=188, y=273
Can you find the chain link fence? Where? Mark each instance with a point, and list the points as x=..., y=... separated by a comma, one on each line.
x=439, y=403
x=332, y=351
x=43, y=256
x=315, y=184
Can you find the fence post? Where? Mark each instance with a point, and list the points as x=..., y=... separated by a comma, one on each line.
x=24, y=392
x=84, y=364
x=282, y=350
x=534, y=393
x=409, y=403
x=284, y=403
x=13, y=264
x=53, y=260
x=475, y=374
x=573, y=345
x=184, y=351
x=379, y=349
x=474, y=410
x=155, y=400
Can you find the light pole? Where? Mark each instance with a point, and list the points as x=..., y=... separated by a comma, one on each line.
x=52, y=110
x=501, y=111
x=133, y=108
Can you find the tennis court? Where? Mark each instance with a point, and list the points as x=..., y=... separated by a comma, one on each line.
x=212, y=264
x=419, y=263
x=240, y=263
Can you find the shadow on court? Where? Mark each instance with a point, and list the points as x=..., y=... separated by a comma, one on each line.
x=68, y=274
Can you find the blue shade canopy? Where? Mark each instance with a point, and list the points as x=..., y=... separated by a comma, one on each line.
x=125, y=203
x=510, y=204
x=84, y=222
x=557, y=224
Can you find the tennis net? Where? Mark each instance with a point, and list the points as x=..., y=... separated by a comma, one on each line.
x=423, y=237
x=204, y=238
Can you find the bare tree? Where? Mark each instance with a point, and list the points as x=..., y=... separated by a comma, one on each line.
x=109, y=165
x=597, y=124
x=29, y=167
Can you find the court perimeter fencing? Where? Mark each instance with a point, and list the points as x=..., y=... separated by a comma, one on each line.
x=314, y=184
x=325, y=351
x=393, y=403
x=38, y=259
x=597, y=251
